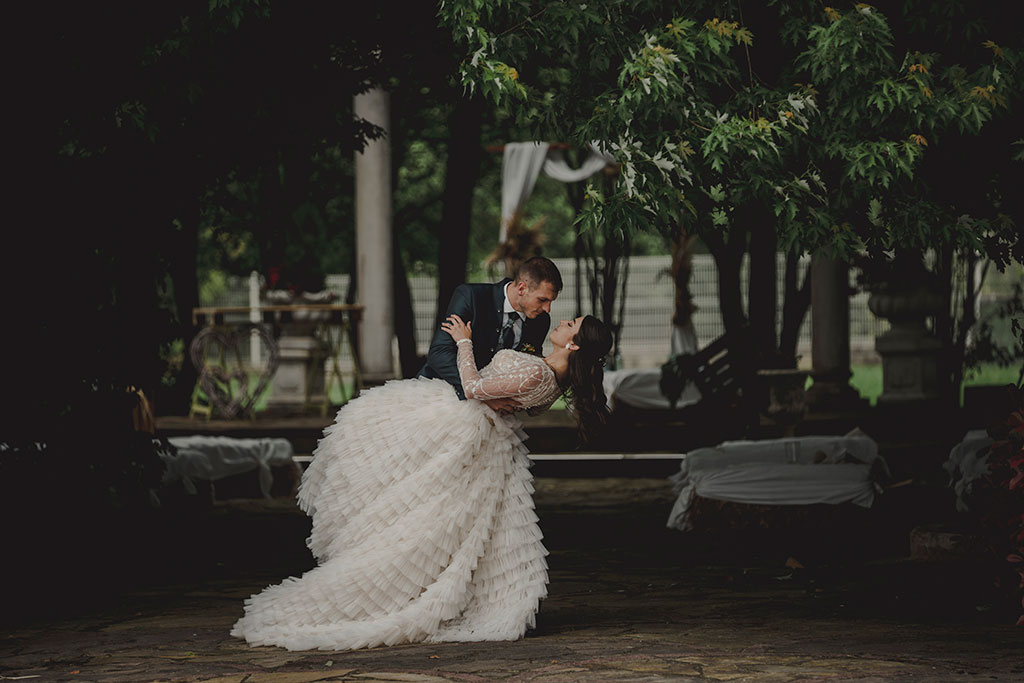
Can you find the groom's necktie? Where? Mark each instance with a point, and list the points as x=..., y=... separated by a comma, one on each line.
x=508, y=332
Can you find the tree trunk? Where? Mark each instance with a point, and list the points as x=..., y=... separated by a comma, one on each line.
x=797, y=299
x=464, y=155
x=682, y=269
x=272, y=233
x=762, y=297
x=578, y=255
x=606, y=280
x=955, y=280
x=185, y=280
x=352, y=297
x=944, y=324
x=575, y=192
x=615, y=270
x=409, y=360
x=730, y=299
x=728, y=256
x=405, y=320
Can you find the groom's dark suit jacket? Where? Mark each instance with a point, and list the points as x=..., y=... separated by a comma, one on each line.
x=481, y=304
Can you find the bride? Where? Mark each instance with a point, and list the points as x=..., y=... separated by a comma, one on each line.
x=422, y=508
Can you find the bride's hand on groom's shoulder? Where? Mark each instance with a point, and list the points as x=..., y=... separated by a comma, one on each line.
x=454, y=326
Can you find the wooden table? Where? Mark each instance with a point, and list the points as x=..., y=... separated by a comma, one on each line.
x=278, y=313
x=336, y=327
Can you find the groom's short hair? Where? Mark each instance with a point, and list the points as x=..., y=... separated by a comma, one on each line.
x=538, y=269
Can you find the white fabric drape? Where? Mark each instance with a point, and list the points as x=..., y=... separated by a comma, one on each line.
x=523, y=162
x=968, y=462
x=215, y=457
x=684, y=339
x=519, y=170
x=795, y=471
x=558, y=168
x=641, y=388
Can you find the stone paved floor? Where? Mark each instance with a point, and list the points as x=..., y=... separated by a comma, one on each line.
x=629, y=601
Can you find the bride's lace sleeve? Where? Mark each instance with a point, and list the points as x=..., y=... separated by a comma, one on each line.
x=510, y=384
x=540, y=408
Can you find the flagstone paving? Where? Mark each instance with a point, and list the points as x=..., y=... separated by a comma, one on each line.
x=629, y=601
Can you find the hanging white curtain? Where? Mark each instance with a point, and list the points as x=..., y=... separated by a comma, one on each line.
x=684, y=339
x=556, y=166
x=523, y=162
x=519, y=170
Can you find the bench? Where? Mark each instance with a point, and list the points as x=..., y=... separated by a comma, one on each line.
x=720, y=371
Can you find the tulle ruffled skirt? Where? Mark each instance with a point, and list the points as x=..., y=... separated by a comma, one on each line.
x=423, y=528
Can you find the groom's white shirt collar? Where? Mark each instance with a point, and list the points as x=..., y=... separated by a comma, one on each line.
x=508, y=304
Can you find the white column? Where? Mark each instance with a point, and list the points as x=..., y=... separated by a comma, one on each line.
x=373, y=241
x=254, y=317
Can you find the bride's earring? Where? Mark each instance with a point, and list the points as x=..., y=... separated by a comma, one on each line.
x=568, y=346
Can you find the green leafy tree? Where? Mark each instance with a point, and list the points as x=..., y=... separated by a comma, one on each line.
x=658, y=90
x=816, y=143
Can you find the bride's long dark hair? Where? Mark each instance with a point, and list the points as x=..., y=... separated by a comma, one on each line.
x=584, y=387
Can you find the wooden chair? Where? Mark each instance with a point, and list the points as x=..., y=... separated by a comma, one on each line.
x=721, y=371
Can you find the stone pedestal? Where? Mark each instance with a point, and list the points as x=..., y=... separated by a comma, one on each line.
x=298, y=385
x=299, y=381
x=830, y=338
x=910, y=353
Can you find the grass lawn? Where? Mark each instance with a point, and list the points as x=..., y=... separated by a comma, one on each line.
x=867, y=379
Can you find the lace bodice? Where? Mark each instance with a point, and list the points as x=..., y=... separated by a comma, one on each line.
x=511, y=374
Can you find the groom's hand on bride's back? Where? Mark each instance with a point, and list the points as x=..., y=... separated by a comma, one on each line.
x=502, y=406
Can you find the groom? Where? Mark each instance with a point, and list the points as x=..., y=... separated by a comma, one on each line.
x=511, y=314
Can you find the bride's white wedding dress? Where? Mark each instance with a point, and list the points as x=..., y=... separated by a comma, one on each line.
x=423, y=520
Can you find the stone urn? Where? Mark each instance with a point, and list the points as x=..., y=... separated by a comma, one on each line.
x=909, y=351
x=298, y=385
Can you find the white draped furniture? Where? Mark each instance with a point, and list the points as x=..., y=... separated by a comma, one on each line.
x=792, y=471
x=212, y=458
x=967, y=463
x=642, y=389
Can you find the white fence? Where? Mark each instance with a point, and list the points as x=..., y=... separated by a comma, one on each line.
x=648, y=311
x=649, y=302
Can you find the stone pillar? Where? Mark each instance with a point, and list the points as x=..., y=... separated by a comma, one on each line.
x=375, y=282
x=830, y=337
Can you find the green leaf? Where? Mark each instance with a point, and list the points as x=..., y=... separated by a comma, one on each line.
x=875, y=212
